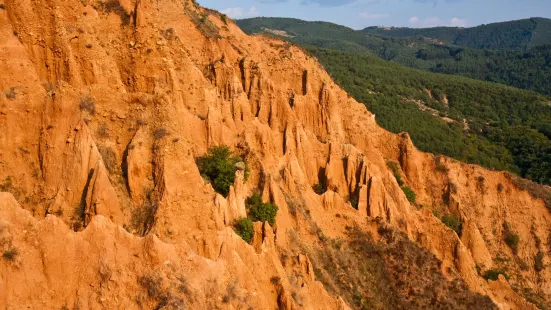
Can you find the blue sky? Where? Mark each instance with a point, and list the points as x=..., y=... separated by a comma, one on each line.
x=408, y=13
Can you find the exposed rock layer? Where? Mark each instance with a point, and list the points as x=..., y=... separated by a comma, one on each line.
x=113, y=101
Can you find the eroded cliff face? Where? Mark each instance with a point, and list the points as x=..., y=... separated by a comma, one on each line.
x=105, y=107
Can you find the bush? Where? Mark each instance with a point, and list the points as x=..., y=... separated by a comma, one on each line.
x=410, y=194
x=319, y=189
x=244, y=228
x=480, y=183
x=453, y=188
x=218, y=167
x=6, y=186
x=109, y=158
x=153, y=283
x=440, y=167
x=160, y=133
x=10, y=254
x=512, y=241
x=493, y=274
x=396, y=171
x=538, y=262
x=103, y=131
x=453, y=222
x=260, y=211
x=354, y=202
x=11, y=93
x=511, y=238
x=169, y=34
x=88, y=104
x=537, y=190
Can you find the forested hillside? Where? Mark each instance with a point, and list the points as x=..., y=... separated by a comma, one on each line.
x=497, y=126
x=518, y=34
x=530, y=69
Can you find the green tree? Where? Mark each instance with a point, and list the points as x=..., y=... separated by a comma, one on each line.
x=244, y=228
x=260, y=211
x=218, y=166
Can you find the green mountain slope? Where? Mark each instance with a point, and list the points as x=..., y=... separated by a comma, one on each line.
x=529, y=69
x=497, y=126
x=518, y=34
x=322, y=34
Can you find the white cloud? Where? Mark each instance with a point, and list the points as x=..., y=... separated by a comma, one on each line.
x=366, y=15
x=436, y=21
x=239, y=12
x=458, y=22
x=414, y=20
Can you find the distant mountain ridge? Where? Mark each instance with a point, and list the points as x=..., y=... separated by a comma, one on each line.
x=498, y=127
x=429, y=49
x=518, y=34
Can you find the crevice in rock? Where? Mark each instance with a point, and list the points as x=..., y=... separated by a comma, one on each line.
x=41, y=152
x=154, y=197
x=243, y=76
x=143, y=218
x=292, y=100
x=321, y=95
x=358, y=175
x=135, y=14
x=80, y=212
x=284, y=141
x=305, y=82
x=322, y=177
x=124, y=167
x=345, y=163
x=369, y=196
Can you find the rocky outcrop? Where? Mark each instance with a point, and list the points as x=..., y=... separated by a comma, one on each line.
x=112, y=103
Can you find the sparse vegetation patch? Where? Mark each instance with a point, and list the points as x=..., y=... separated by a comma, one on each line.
x=143, y=217
x=453, y=222
x=11, y=93
x=152, y=283
x=204, y=25
x=391, y=273
x=511, y=238
x=244, y=229
x=6, y=186
x=88, y=104
x=114, y=6
x=410, y=194
x=160, y=133
x=319, y=189
x=493, y=274
x=109, y=158
x=538, y=262
x=10, y=254
x=440, y=166
x=396, y=171
x=537, y=190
